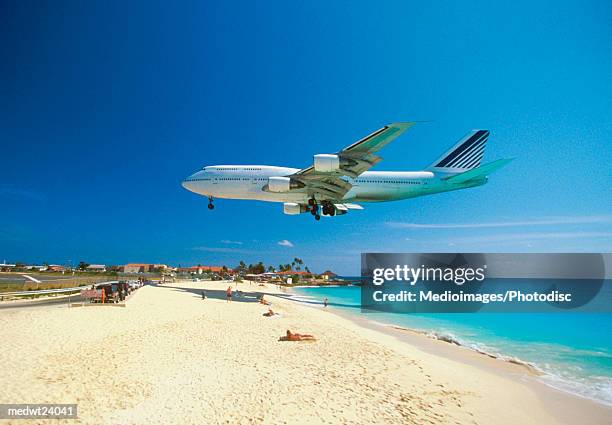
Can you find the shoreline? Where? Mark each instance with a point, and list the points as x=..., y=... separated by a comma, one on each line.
x=560, y=401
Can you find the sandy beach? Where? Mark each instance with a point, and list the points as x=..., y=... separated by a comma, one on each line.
x=170, y=357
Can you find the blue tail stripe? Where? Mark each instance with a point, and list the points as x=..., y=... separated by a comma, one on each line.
x=468, y=158
x=466, y=145
x=469, y=153
x=474, y=163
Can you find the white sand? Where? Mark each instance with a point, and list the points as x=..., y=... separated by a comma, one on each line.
x=171, y=358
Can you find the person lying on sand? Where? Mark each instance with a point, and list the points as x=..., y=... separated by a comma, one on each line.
x=263, y=301
x=270, y=313
x=296, y=337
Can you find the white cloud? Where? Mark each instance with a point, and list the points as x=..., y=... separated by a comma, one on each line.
x=286, y=243
x=530, y=236
x=228, y=242
x=546, y=221
x=217, y=249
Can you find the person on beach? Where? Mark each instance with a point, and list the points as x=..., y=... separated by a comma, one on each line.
x=325, y=302
x=203, y=295
x=263, y=301
x=270, y=313
x=228, y=294
x=296, y=337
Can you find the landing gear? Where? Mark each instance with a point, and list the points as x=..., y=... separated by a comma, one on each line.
x=210, y=203
x=314, y=208
x=325, y=208
x=328, y=209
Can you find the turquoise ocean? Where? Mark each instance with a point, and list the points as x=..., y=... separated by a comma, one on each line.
x=573, y=351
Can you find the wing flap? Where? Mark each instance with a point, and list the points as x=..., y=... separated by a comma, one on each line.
x=346, y=207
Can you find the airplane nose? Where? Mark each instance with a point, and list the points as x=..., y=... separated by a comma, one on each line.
x=187, y=184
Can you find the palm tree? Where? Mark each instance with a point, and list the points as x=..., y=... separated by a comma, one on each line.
x=297, y=262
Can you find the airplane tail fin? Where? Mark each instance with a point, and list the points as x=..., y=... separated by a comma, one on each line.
x=464, y=155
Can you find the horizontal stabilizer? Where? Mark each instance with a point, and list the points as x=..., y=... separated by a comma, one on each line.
x=481, y=171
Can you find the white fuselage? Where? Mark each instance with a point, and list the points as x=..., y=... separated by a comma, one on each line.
x=248, y=182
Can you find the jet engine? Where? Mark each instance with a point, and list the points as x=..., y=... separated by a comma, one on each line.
x=293, y=208
x=326, y=163
x=282, y=184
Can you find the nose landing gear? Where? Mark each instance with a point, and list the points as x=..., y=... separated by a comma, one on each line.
x=314, y=208
x=210, y=203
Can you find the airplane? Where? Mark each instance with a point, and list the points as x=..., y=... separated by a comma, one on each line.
x=336, y=183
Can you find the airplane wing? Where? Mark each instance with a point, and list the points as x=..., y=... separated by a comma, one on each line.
x=323, y=178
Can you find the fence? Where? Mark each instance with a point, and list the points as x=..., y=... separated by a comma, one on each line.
x=64, y=283
x=7, y=295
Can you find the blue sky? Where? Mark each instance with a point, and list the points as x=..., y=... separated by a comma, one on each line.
x=105, y=107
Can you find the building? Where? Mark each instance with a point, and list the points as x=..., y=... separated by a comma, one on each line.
x=137, y=268
x=294, y=273
x=56, y=268
x=328, y=275
x=202, y=269
x=4, y=267
x=96, y=268
x=144, y=268
x=35, y=267
x=288, y=276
